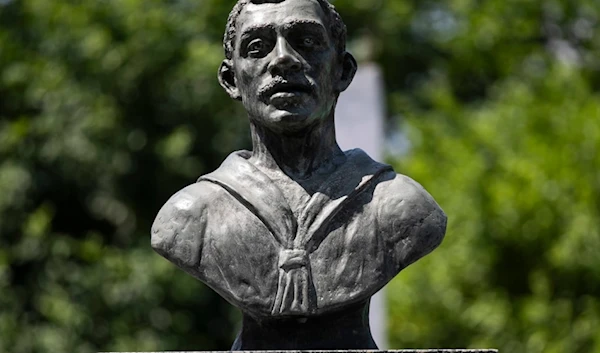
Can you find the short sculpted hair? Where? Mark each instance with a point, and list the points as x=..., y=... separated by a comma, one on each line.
x=337, y=28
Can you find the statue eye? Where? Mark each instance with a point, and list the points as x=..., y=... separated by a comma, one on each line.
x=309, y=42
x=256, y=47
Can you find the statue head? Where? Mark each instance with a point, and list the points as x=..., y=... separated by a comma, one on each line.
x=286, y=61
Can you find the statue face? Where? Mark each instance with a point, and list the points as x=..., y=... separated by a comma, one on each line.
x=285, y=66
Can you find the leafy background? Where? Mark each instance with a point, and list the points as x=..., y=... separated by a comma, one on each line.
x=109, y=107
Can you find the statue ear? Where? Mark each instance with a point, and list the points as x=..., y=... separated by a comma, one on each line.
x=349, y=67
x=227, y=80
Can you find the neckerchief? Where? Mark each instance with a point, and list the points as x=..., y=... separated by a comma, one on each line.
x=297, y=238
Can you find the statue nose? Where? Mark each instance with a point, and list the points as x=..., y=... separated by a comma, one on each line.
x=286, y=59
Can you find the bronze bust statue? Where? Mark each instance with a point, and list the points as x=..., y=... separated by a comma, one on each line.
x=297, y=233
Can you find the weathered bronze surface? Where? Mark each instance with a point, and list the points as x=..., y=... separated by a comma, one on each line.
x=297, y=233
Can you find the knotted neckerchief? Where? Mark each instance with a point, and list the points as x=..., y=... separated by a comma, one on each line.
x=297, y=238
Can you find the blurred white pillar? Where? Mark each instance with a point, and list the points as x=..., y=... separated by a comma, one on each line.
x=360, y=124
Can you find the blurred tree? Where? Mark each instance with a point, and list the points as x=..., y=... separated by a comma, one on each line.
x=106, y=109
x=500, y=103
x=109, y=107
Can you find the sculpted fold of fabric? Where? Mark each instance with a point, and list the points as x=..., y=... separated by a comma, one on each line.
x=235, y=231
x=297, y=239
x=301, y=264
x=294, y=284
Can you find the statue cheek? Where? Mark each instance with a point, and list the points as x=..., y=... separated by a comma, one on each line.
x=322, y=73
x=245, y=78
x=250, y=78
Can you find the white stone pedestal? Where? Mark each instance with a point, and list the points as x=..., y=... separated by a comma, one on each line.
x=358, y=351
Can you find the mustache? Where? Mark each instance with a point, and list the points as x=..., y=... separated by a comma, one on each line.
x=279, y=84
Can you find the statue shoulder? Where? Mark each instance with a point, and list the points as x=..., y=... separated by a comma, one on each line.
x=416, y=223
x=178, y=228
x=404, y=191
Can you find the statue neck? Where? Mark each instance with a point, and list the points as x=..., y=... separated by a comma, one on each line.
x=298, y=155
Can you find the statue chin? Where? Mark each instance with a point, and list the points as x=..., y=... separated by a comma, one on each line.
x=287, y=121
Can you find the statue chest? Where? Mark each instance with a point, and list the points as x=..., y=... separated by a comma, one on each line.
x=258, y=272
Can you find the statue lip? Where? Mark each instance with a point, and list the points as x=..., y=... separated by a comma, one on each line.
x=285, y=89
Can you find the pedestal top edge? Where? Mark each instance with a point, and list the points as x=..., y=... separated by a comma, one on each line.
x=345, y=351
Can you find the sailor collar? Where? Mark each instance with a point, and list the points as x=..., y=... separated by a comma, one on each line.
x=297, y=238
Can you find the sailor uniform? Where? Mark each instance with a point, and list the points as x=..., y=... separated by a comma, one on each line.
x=235, y=231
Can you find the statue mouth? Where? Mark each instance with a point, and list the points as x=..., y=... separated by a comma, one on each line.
x=280, y=91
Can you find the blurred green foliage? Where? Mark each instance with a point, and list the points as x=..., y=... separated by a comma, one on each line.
x=109, y=107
